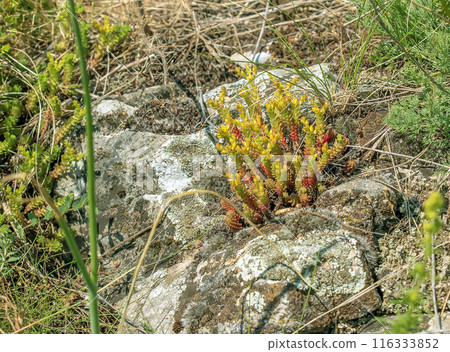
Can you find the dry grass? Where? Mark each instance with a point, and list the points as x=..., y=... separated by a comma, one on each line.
x=194, y=46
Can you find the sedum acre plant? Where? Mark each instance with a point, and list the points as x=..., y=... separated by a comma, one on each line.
x=273, y=167
x=111, y=36
x=39, y=107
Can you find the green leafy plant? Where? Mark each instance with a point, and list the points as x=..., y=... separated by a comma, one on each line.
x=413, y=31
x=410, y=321
x=63, y=20
x=38, y=112
x=92, y=279
x=110, y=36
x=16, y=17
x=34, y=126
x=272, y=168
x=8, y=253
x=426, y=114
x=417, y=43
x=53, y=82
x=53, y=241
x=44, y=298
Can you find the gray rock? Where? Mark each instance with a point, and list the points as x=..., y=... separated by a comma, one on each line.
x=135, y=172
x=136, y=98
x=318, y=75
x=196, y=276
x=237, y=284
x=365, y=204
x=247, y=57
x=159, y=109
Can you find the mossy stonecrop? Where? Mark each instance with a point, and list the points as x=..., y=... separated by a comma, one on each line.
x=45, y=152
x=272, y=168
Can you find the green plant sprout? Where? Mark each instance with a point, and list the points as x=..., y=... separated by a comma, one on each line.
x=111, y=36
x=64, y=22
x=36, y=122
x=410, y=321
x=8, y=253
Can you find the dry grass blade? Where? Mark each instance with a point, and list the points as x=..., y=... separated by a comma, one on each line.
x=444, y=305
x=16, y=321
x=118, y=245
x=401, y=156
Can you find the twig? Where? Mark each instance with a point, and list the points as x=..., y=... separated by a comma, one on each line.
x=400, y=155
x=412, y=161
x=445, y=302
x=261, y=32
x=438, y=186
x=154, y=50
x=405, y=198
x=129, y=238
x=433, y=289
x=124, y=67
x=107, y=70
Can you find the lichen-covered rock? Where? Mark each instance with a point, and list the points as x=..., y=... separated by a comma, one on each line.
x=159, y=109
x=364, y=204
x=402, y=248
x=135, y=172
x=242, y=284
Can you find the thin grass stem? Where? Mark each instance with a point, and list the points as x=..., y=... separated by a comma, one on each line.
x=93, y=302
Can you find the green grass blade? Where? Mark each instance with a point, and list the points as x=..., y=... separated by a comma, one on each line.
x=90, y=170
